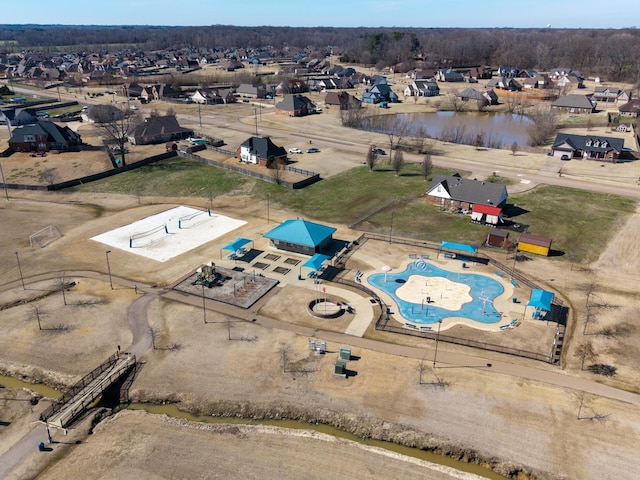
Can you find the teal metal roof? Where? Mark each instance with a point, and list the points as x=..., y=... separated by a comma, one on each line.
x=541, y=299
x=458, y=246
x=300, y=232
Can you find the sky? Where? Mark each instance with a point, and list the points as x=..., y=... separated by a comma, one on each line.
x=330, y=13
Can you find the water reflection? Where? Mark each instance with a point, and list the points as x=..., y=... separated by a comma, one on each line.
x=490, y=130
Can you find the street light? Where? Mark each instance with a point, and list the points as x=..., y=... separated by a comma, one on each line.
x=204, y=309
x=4, y=182
x=435, y=353
x=391, y=228
x=20, y=270
x=255, y=114
x=109, y=269
x=268, y=206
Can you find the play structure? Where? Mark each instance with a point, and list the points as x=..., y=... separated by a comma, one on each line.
x=208, y=276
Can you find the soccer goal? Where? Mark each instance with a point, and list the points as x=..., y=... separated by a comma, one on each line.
x=45, y=236
x=194, y=219
x=144, y=239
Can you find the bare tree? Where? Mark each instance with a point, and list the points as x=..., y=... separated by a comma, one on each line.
x=585, y=351
x=276, y=169
x=49, y=175
x=426, y=166
x=372, y=158
x=454, y=102
x=154, y=334
x=397, y=161
x=514, y=148
x=353, y=116
x=36, y=314
x=479, y=141
x=115, y=125
x=543, y=126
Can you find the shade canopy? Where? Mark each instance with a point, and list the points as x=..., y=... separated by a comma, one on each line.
x=316, y=261
x=541, y=299
x=458, y=246
x=237, y=244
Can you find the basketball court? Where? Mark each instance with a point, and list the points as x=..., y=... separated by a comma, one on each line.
x=170, y=233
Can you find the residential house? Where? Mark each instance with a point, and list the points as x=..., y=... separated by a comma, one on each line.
x=565, y=77
x=449, y=75
x=343, y=100
x=379, y=93
x=631, y=108
x=421, y=74
x=251, y=91
x=611, y=95
x=230, y=64
x=453, y=191
x=213, y=96
x=158, y=91
x=574, y=104
x=422, y=88
x=158, y=130
x=43, y=136
x=261, y=151
x=587, y=146
x=486, y=97
x=295, y=105
x=539, y=80
x=508, y=72
x=505, y=83
x=102, y=114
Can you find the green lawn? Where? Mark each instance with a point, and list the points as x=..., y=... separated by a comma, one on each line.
x=174, y=177
x=580, y=223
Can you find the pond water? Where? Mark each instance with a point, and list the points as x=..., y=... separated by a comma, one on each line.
x=496, y=129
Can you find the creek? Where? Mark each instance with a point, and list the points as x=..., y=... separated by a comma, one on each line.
x=172, y=410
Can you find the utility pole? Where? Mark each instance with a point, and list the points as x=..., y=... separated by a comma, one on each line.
x=199, y=115
x=20, y=270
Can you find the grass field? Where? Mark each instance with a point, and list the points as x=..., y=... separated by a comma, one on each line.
x=580, y=223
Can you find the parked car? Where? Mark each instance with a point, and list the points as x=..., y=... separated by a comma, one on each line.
x=313, y=150
x=565, y=157
x=378, y=151
x=295, y=150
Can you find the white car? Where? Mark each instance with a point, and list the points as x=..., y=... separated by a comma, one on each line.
x=295, y=150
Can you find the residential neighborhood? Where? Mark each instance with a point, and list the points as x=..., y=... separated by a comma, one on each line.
x=422, y=236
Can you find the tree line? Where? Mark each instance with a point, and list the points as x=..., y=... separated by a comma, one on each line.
x=613, y=54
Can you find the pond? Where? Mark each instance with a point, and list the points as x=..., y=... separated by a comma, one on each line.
x=496, y=129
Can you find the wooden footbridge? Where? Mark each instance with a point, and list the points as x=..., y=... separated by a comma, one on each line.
x=82, y=394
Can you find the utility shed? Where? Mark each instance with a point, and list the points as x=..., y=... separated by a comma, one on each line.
x=340, y=368
x=497, y=238
x=534, y=244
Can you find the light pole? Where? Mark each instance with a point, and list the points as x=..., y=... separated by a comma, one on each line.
x=268, y=206
x=513, y=270
x=391, y=228
x=20, y=270
x=204, y=308
x=435, y=353
x=199, y=115
x=4, y=182
x=255, y=114
x=109, y=269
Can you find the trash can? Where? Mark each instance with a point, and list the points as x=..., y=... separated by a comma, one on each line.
x=41, y=446
x=514, y=299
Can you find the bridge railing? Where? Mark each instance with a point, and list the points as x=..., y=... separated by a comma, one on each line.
x=77, y=388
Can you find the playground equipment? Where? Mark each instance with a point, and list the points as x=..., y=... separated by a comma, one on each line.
x=208, y=276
